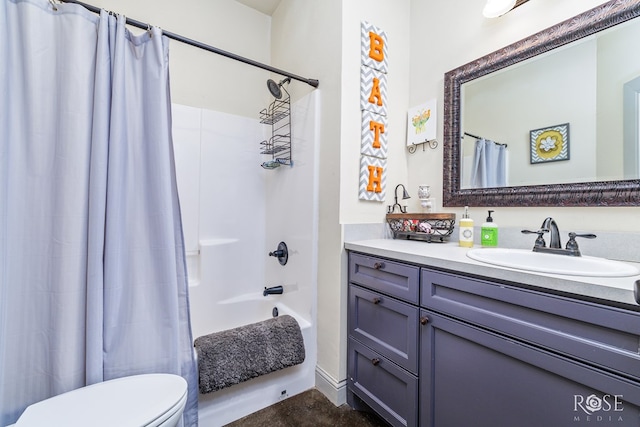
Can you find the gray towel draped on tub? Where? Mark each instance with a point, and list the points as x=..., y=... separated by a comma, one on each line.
x=230, y=357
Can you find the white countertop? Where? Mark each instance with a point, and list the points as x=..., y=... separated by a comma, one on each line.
x=452, y=257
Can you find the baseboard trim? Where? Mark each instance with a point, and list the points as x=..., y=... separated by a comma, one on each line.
x=335, y=391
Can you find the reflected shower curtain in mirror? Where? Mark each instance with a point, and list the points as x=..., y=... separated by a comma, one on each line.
x=93, y=283
x=489, y=165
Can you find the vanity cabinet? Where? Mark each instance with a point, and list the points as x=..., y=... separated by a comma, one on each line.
x=486, y=352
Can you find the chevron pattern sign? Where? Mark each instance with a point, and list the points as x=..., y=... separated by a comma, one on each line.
x=374, y=135
x=373, y=46
x=373, y=105
x=373, y=90
x=373, y=178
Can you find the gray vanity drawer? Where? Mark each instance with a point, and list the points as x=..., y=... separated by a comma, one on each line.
x=392, y=278
x=386, y=325
x=608, y=337
x=388, y=389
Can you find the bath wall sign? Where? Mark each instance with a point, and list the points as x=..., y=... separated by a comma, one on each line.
x=374, y=135
x=373, y=179
x=373, y=47
x=373, y=105
x=373, y=90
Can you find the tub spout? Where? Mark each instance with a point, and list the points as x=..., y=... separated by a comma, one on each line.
x=274, y=290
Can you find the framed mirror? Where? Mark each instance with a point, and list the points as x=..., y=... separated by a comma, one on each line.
x=572, y=139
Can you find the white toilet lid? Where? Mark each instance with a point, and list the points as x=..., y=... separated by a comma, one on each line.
x=133, y=401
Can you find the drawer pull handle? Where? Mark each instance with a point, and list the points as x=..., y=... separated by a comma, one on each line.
x=375, y=361
x=424, y=320
x=378, y=265
x=377, y=300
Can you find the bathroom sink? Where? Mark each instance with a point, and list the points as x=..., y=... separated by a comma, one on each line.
x=528, y=260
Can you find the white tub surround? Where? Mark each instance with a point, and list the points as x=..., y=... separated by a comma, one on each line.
x=450, y=256
x=229, y=234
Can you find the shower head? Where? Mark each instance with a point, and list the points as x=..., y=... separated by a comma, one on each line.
x=274, y=87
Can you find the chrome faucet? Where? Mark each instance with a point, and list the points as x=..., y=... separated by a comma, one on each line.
x=555, y=246
x=550, y=225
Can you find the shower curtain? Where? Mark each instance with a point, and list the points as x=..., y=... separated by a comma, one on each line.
x=93, y=282
x=489, y=167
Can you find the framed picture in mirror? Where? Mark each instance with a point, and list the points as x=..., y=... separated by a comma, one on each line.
x=550, y=144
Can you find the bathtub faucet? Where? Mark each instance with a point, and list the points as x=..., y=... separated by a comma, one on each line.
x=274, y=290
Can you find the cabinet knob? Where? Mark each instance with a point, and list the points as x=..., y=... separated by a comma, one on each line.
x=377, y=300
x=375, y=361
x=378, y=265
x=424, y=320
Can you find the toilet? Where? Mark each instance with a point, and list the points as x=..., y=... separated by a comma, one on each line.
x=150, y=400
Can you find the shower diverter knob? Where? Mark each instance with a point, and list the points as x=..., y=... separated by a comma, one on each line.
x=281, y=253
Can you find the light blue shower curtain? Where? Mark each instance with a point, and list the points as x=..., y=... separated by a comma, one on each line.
x=93, y=283
x=489, y=167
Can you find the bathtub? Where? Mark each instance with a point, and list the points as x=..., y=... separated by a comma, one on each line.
x=229, y=404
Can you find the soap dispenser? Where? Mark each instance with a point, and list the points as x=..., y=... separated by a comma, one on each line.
x=489, y=233
x=465, y=239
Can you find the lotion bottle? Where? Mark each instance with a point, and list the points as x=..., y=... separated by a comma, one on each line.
x=489, y=233
x=465, y=239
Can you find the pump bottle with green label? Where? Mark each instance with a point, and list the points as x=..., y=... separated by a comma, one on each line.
x=489, y=233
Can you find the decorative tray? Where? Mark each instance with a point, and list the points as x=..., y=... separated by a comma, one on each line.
x=428, y=227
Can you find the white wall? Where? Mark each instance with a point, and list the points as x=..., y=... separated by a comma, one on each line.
x=203, y=79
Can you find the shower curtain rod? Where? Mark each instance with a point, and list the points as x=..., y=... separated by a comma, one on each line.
x=142, y=25
x=479, y=137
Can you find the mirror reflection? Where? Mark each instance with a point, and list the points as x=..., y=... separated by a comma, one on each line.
x=569, y=115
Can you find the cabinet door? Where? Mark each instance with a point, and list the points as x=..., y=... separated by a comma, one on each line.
x=386, y=325
x=388, y=389
x=472, y=377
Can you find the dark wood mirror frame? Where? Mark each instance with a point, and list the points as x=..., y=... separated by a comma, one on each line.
x=598, y=193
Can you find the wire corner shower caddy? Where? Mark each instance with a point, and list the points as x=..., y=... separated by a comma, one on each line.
x=278, y=116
